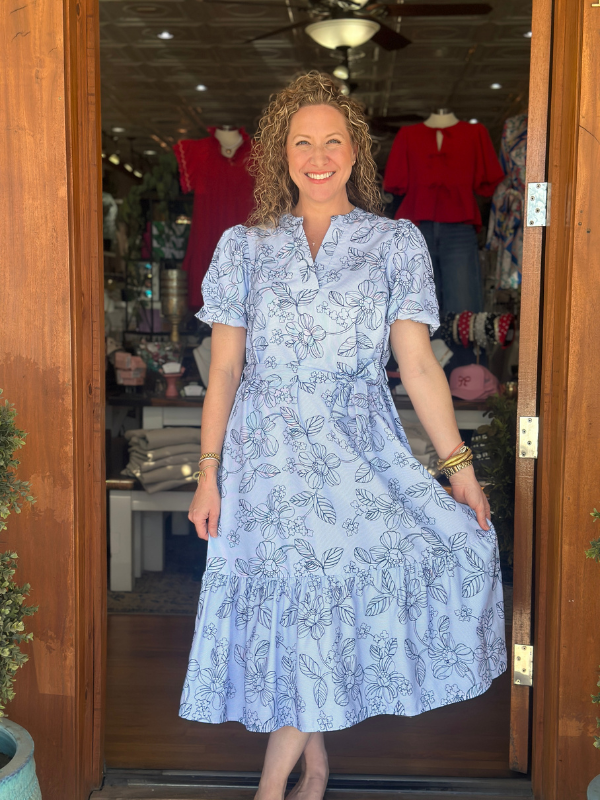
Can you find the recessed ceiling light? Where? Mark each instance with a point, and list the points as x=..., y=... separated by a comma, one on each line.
x=473, y=121
x=118, y=130
x=103, y=155
x=149, y=152
x=164, y=35
x=128, y=167
x=137, y=173
x=341, y=72
x=496, y=86
x=182, y=130
x=201, y=87
x=528, y=35
x=114, y=159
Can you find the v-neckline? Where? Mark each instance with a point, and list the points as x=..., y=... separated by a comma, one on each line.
x=332, y=225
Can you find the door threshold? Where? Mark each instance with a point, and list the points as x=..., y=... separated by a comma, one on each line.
x=185, y=785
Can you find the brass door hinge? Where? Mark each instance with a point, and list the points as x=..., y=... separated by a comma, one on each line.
x=529, y=428
x=523, y=664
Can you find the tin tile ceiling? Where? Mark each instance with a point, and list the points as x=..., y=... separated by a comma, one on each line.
x=148, y=84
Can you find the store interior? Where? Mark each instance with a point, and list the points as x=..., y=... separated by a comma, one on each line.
x=445, y=87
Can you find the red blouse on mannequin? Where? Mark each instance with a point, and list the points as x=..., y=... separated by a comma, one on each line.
x=439, y=185
x=222, y=198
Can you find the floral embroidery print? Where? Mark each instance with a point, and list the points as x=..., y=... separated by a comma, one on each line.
x=344, y=582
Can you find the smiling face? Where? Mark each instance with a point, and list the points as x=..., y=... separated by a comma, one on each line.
x=320, y=155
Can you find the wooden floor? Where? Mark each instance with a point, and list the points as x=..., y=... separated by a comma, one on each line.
x=147, y=660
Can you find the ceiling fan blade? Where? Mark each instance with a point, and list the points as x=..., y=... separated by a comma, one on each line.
x=389, y=39
x=279, y=30
x=435, y=9
x=252, y=3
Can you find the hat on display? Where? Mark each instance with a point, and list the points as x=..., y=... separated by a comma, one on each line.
x=473, y=382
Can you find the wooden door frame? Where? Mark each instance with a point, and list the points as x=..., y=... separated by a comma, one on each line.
x=52, y=369
x=567, y=585
x=50, y=157
x=529, y=334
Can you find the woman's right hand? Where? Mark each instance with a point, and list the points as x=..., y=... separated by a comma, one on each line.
x=206, y=507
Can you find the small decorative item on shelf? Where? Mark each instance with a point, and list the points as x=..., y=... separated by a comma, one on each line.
x=193, y=390
x=130, y=369
x=171, y=371
x=155, y=354
x=173, y=294
x=481, y=330
x=510, y=388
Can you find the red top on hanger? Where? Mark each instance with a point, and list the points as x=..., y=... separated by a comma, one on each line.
x=439, y=184
x=223, y=197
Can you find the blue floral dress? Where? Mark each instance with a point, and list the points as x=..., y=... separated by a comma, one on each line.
x=344, y=582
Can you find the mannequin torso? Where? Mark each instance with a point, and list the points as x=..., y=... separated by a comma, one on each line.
x=229, y=140
x=441, y=119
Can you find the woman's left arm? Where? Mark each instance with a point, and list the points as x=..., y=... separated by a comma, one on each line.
x=427, y=387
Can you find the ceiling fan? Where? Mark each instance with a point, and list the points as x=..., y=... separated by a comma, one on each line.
x=363, y=20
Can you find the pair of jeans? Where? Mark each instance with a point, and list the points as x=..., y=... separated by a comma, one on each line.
x=456, y=268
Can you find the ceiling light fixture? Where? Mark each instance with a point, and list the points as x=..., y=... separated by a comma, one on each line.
x=352, y=32
x=345, y=89
x=528, y=35
x=341, y=72
x=114, y=159
x=118, y=130
x=164, y=35
x=149, y=152
x=496, y=86
x=128, y=167
x=473, y=121
x=137, y=173
x=201, y=87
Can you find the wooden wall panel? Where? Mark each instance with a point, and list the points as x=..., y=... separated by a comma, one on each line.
x=568, y=586
x=52, y=369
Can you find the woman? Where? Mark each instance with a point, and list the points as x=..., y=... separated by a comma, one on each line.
x=342, y=581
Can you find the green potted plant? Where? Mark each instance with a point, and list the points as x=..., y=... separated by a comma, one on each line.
x=17, y=772
x=498, y=470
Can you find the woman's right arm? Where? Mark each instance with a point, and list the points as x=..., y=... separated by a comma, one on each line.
x=228, y=350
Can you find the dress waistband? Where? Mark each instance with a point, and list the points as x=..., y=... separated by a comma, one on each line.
x=350, y=396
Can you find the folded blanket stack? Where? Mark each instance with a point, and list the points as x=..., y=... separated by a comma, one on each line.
x=163, y=459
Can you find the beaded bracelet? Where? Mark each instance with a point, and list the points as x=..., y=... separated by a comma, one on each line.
x=204, y=456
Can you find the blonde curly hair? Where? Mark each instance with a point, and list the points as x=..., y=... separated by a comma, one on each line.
x=275, y=193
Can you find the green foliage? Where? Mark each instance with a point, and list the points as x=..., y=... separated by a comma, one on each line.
x=13, y=493
x=594, y=553
x=499, y=472
x=163, y=181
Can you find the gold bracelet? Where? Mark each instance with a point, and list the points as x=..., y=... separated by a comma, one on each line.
x=204, y=456
x=458, y=457
x=452, y=462
x=202, y=472
x=448, y=471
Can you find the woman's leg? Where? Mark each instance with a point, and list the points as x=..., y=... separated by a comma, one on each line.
x=283, y=750
x=315, y=771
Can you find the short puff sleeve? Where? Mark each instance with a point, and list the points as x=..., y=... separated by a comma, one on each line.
x=410, y=278
x=225, y=285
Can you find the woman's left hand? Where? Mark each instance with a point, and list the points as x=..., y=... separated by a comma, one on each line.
x=466, y=489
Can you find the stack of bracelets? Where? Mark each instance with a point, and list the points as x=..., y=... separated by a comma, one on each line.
x=458, y=459
x=206, y=457
x=480, y=330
